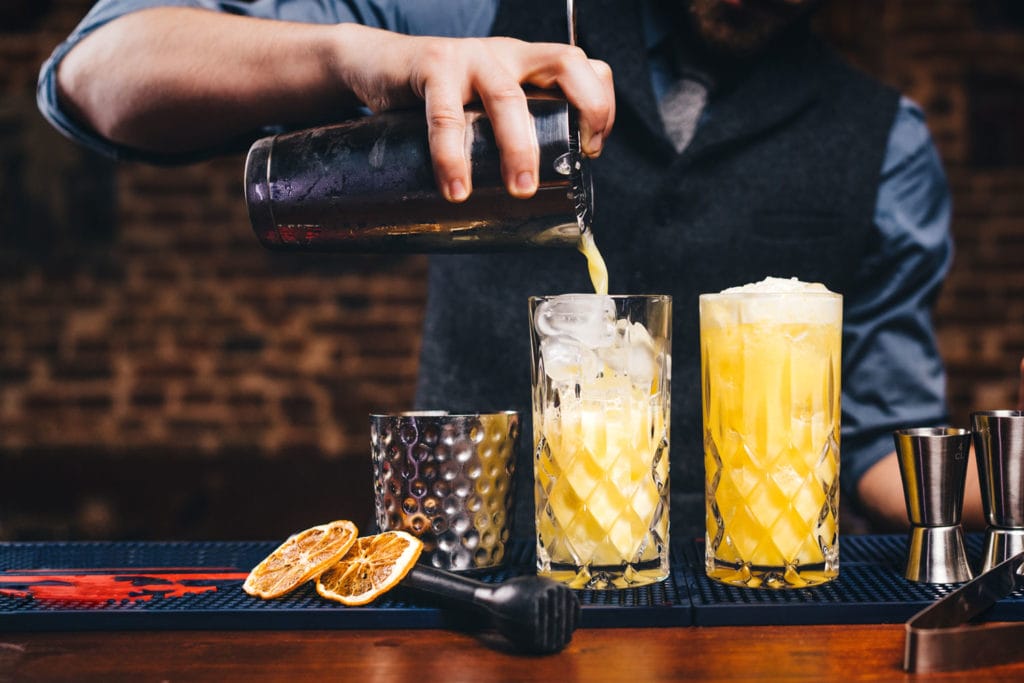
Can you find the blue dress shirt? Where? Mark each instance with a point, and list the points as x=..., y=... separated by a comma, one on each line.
x=893, y=375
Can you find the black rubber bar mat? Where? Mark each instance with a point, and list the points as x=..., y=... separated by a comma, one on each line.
x=198, y=585
x=870, y=590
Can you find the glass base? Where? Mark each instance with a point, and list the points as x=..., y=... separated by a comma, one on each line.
x=606, y=577
x=775, y=578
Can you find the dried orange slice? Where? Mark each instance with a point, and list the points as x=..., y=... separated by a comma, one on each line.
x=300, y=558
x=370, y=568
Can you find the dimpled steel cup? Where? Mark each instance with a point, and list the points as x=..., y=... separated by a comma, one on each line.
x=447, y=479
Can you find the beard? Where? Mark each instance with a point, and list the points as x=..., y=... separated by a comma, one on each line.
x=745, y=29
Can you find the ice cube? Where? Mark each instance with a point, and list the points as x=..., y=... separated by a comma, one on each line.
x=567, y=360
x=587, y=318
x=641, y=355
x=632, y=354
x=641, y=366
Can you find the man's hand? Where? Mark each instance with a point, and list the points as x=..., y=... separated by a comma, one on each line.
x=394, y=70
x=174, y=80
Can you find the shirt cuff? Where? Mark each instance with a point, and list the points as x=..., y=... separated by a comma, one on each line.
x=46, y=89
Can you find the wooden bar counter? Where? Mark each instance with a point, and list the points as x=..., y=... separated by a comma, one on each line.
x=639, y=655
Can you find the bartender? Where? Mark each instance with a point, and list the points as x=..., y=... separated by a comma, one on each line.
x=743, y=147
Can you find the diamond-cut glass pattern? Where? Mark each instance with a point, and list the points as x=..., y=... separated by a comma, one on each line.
x=771, y=443
x=601, y=457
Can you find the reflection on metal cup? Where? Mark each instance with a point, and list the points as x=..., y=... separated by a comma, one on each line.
x=447, y=479
x=999, y=448
x=999, y=445
x=933, y=467
x=933, y=464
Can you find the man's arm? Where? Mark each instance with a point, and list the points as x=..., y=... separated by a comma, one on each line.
x=175, y=79
x=893, y=376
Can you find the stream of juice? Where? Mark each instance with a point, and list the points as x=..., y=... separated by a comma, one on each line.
x=595, y=262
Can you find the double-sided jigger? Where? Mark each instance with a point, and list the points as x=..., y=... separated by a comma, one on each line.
x=933, y=465
x=999, y=448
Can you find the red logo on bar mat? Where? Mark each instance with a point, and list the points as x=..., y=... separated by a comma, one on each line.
x=99, y=586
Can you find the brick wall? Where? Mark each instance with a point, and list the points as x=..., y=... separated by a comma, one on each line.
x=963, y=61
x=162, y=376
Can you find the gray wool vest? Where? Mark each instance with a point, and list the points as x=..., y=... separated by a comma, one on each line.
x=781, y=179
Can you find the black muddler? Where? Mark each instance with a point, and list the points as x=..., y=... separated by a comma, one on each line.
x=536, y=614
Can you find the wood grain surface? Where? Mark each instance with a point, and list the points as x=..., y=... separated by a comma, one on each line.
x=752, y=653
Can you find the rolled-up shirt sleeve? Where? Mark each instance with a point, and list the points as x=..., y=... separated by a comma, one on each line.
x=418, y=17
x=47, y=98
x=893, y=375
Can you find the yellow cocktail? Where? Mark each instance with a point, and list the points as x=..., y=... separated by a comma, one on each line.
x=770, y=369
x=600, y=422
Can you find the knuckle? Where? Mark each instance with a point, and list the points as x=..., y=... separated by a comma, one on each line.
x=571, y=56
x=444, y=118
x=437, y=53
x=476, y=45
x=601, y=68
x=506, y=92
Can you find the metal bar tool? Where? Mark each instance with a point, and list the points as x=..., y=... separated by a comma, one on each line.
x=933, y=466
x=999, y=448
x=939, y=637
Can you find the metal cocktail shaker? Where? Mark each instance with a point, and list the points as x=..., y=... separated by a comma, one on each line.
x=368, y=186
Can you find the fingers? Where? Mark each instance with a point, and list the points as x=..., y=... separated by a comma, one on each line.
x=514, y=133
x=447, y=74
x=461, y=71
x=586, y=83
x=588, y=87
x=446, y=129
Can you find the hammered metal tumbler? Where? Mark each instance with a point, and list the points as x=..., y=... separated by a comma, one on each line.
x=447, y=479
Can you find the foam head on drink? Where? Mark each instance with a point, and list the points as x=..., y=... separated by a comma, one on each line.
x=770, y=366
x=601, y=430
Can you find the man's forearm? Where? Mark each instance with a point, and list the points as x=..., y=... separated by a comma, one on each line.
x=880, y=491
x=179, y=79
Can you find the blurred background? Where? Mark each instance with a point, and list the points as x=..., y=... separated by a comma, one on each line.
x=163, y=376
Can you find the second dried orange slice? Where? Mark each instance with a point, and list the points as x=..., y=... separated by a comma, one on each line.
x=372, y=566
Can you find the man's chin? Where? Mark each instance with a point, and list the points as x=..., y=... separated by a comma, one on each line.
x=734, y=42
x=736, y=31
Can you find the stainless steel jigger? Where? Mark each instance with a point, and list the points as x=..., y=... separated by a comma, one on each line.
x=999, y=447
x=933, y=465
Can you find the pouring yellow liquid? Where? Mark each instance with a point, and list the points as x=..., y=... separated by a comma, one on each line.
x=595, y=262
